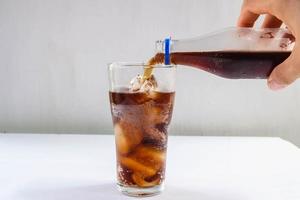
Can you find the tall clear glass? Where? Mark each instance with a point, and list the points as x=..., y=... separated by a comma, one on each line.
x=141, y=119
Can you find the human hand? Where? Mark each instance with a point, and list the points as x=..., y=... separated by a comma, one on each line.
x=277, y=12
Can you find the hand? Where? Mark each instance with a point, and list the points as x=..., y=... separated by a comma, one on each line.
x=277, y=11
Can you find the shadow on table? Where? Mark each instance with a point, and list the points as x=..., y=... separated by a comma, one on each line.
x=88, y=192
x=176, y=193
x=109, y=191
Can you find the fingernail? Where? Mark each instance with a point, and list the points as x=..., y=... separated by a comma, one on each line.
x=273, y=85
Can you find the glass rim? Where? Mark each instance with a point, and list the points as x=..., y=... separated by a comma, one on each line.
x=138, y=64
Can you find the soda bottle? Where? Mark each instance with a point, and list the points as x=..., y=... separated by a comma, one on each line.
x=235, y=53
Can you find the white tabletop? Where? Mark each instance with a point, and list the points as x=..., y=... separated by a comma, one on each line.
x=82, y=167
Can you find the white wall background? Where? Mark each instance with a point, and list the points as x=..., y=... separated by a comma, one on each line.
x=53, y=78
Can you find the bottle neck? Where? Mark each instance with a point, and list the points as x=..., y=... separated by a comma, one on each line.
x=164, y=47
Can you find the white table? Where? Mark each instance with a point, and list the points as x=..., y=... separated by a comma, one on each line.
x=82, y=167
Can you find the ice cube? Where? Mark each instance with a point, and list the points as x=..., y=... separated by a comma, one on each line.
x=149, y=84
x=155, y=138
x=122, y=144
x=156, y=114
x=137, y=166
x=136, y=83
x=127, y=136
x=139, y=179
x=139, y=84
x=150, y=156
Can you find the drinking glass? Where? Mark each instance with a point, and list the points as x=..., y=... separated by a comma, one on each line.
x=141, y=112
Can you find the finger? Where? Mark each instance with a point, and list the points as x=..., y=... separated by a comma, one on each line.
x=251, y=9
x=271, y=21
x=258, y=6
x=285, y=73
x=247, y=18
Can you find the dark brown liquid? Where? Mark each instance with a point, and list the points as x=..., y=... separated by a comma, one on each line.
x=228, y=64
x=141, y=123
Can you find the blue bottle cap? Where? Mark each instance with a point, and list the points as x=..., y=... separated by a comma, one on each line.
x=167, y=50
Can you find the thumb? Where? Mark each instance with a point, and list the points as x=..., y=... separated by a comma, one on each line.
x=285, y=73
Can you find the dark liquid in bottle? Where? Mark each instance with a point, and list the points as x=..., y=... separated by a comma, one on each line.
x=229, y=64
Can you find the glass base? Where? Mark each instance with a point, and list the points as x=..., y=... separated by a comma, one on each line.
x=140, y=192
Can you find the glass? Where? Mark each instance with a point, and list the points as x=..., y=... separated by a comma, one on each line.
x=141, y=120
